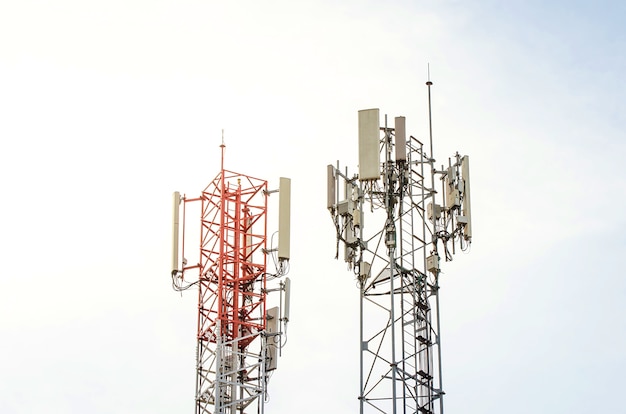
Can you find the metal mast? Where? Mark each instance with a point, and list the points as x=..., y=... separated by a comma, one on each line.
x=397, y=266
x=237, y=335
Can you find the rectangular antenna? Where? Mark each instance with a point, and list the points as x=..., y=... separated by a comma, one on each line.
x=287, y=296
x=284, y=218
x=364, y=270
x=452, y=192
x=369, y=144
x=467, y=231
x=273, y=338
x=331, y=191
x=400, y=127
x=175, y=227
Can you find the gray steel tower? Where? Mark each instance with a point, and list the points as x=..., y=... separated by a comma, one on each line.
x=397, y=264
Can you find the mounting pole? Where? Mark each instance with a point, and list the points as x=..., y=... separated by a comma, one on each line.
x=222, y=147
x=434, y=242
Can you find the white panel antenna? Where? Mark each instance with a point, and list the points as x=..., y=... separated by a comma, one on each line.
x=287, y=296
x=284, y=218
x=452, y=192
x=273, y=338
x=369, y=144
x=400, y=132
x=331, y=187
x=175, y=228
x=467, y=231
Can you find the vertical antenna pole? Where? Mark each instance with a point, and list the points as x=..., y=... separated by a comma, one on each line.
x=222, y=146
x=436, y=287
x=430, y=134
x=431, y=161
x=430, y=118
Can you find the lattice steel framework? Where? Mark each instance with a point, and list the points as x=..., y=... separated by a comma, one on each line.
x=231, y=298
x=397, y=266
x=231, y=355
x=400, y=347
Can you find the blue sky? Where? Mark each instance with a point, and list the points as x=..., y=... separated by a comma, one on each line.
x=109, y=107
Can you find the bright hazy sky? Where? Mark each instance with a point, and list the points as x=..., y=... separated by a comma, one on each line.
x=108, y=107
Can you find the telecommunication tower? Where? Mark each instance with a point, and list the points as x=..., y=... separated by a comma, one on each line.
x=239, y=338
x=419, y=213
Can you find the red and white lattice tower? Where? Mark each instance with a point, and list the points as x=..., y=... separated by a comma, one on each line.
x=237, y=337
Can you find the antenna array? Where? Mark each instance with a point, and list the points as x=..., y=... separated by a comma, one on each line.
x=397, y=264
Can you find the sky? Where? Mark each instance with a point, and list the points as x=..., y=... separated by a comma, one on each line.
x=106, y=108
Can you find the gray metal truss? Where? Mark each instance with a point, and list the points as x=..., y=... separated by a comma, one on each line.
x=400, y=347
